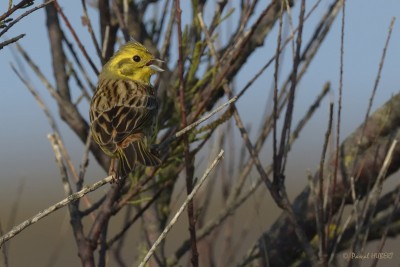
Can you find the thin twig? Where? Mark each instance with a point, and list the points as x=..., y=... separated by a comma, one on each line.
x=376, y=190
x=85, y=162
x=234, y=55
x=53, y=125
x=238, y=120
x=189, y=157
x=280, y=195
x=16, y=204
x=267, y=128
x=4, y=249
x=12, y=40
x=235, y=200
x=75, y=35
x=285, y=134
x=269, y=62
x=105, y=41
x=118, y=248
x=24, y=15
x=53, y=92
x=164, y=52
x=125, y=7
x=40, y=215
x=58, y=245
x=374, y=89
x=339, y=236
x=75, y=120
x=57, y=149
x=11, y=218
x=130, y=222
x=194, y=124
x=321, y=212
x=38, y=99
x=68, y=160
x=157, y=31
x=82, y=69
x=275, y=155
x=91, y=32
x=221, y=217
x=181, y=209
x=339, y=111
x=386, y=229
x=120, y=20
x=20, y=5
x=365, y=208
x=381, y=63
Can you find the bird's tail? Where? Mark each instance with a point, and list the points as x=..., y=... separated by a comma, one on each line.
x=136, y=151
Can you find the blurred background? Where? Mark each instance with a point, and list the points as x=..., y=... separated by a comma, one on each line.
x=30, y=179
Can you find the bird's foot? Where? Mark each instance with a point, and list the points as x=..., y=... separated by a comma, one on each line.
x=112, y=171
x=115, y=177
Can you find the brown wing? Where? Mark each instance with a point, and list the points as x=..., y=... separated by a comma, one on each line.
x=118, y=110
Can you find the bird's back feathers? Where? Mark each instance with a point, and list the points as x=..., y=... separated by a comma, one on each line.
x=123, y=115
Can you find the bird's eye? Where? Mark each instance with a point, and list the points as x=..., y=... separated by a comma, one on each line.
x=136, y=58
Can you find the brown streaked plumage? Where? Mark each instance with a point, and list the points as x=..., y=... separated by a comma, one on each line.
x=124, y=108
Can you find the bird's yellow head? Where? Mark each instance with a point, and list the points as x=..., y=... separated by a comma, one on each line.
x=132, y=61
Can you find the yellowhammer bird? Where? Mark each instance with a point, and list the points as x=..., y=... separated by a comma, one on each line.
x=123, y=110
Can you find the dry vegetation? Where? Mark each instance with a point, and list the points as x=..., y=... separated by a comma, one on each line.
x=312, y=229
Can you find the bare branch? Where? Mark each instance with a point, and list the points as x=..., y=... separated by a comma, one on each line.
x=181, y=209
x=22, y=4
x=12, y=40
x=188, y=128
x=189, y=157
x=40, y=215
x=80, y=45
x=24, y=15
x=91, y=32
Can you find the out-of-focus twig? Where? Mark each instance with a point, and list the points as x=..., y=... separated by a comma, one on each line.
x=74, y=119
x=188, y=128
x=130, y=222
x=189, y=157
x=11, y=40
x=74, y=34
x=278, y=195
x=4, y=250
x=91, y=32
x=55, y=144
x=122, y=25
x=82, y=69
x=24, y=15
x=381, y=63
x=38, y=99
x=40, y=215
x=323, y=232
x=373, y=196
x=11, y=10
x=181, y=209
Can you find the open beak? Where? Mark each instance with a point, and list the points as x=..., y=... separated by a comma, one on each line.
x=151, y=64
